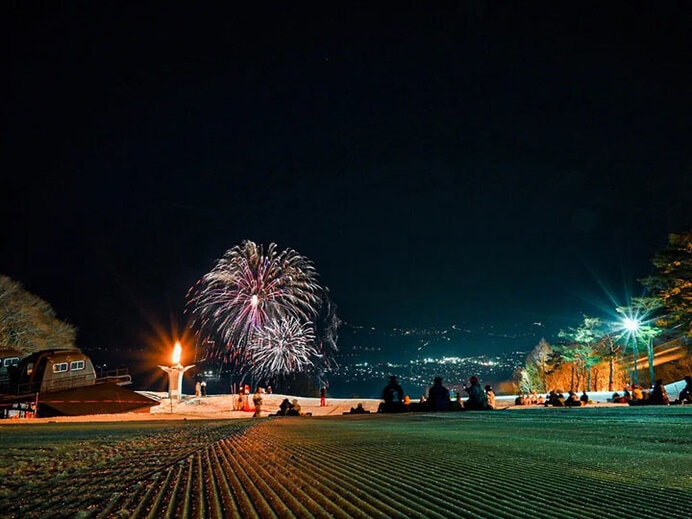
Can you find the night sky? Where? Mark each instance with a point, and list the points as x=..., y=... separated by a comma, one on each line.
x=492, y=165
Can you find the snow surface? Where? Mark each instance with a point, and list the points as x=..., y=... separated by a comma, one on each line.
x=215, y=407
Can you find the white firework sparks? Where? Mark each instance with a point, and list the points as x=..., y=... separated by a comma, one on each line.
x=283, y=347
x=250, y=289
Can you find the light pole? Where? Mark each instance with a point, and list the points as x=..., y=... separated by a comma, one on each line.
x=638, y=331
x=632, y=326
x=650, y=353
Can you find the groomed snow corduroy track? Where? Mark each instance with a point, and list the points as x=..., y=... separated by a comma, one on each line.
x=552, y=463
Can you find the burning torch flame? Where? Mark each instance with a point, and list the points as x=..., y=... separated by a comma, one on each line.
x=177, y=350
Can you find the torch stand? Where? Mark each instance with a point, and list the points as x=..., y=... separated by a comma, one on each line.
x=175, y=381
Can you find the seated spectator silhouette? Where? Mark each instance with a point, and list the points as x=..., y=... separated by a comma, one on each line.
x=284, y=407
x=477, y=399
x=457, y=404
x=393, y=396
x=359, y=409
x=556, y=399
x=573, y=400
x=685, y=396
x=295, y=408
x=584, y=398
x=659, y=395
x=626, y=393
x=490, y=394
x=438, y=396
x=618, y=398
x=637, y=394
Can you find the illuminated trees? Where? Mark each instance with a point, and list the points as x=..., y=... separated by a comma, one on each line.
x=586, y=348
x=28, y=323
x=581, y=349
x=579, y=361
x=672, y=282
x=533, y=377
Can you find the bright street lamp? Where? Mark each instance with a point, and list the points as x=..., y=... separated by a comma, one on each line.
x=631, y=325
x=637, y=330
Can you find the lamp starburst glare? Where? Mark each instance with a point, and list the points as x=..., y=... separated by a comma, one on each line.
x=630, y=324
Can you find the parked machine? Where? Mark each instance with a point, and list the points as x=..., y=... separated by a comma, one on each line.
x=63, y=382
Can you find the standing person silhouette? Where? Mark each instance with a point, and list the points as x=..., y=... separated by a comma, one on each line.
x=257, y=400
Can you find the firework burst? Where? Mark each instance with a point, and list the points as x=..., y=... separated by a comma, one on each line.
x=247, y=301
x=282, y=347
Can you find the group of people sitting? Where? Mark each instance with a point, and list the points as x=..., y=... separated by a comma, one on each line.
x=629, y=394
x=483, y=398
x=656, y=396
x=290, y=408
x=632, y=395
x=438, y=399
x=557, y=399
x=529, y=399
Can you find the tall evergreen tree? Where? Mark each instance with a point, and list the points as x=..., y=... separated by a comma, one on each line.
x=672, y=282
